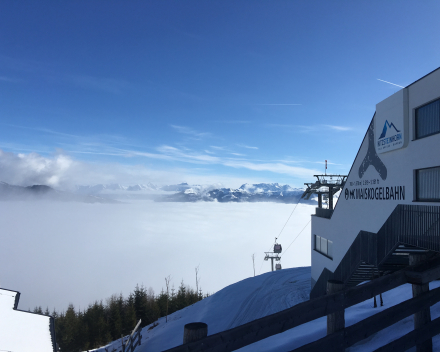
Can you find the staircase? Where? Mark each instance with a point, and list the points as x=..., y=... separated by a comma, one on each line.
x=409, y=229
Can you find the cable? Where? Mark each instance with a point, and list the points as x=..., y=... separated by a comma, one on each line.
x=296, y=237
x=299, y=200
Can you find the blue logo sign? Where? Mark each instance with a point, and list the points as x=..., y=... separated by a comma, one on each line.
x=390, y=135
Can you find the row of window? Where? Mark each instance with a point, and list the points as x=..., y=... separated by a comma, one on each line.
x=428, y=184
x=324, y=246
x=427, y=119
x=427, y=123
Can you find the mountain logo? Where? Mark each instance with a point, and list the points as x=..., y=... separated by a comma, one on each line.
x=385, y=129
x=390, y=138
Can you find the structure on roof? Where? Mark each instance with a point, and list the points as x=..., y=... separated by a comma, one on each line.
x=326, y=185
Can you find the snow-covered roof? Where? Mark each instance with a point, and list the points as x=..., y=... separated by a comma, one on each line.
x=22, y=330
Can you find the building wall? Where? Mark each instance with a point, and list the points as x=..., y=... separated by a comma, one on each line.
x=352, y=215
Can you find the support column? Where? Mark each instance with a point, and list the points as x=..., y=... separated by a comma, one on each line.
x=424, y=316
x=335, y=321
x=330, y=197
x=319, y=200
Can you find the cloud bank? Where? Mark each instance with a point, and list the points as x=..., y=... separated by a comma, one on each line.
x=62, y=171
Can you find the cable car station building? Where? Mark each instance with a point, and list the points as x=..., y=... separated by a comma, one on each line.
x=389, y=206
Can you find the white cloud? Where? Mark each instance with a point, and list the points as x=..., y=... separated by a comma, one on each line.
x=62, y=171
x=30, y=169
x=311, y=128
x=190, y=131
x=246, y=146
x=339, y=128
x=218, y=148
x=113, y=239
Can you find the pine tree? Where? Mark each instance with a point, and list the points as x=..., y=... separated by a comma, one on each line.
x=115, y=319
x=129, y=318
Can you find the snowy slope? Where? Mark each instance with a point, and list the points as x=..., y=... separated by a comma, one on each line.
x=265, y=294
x=234, y=305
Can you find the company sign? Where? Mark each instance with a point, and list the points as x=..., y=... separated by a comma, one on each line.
x=390, y=123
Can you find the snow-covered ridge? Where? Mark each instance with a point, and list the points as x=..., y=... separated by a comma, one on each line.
x=261, y=192
x=184, y=192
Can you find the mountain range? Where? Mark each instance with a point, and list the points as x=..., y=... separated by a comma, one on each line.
x=262, y=192
x=183, y=192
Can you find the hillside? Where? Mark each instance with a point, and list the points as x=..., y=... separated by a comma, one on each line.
x=265, y=294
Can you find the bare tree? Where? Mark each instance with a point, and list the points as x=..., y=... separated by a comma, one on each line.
x=167, y=283
x=197, y=278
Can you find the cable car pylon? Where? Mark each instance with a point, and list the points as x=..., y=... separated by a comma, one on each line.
x=275, y=255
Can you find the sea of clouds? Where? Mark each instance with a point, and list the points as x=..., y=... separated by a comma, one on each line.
x=56, y=253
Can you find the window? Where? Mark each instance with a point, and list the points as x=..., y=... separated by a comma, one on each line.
x=318, y=243
x=428, y=184
x=428, y=119
x=324, y=246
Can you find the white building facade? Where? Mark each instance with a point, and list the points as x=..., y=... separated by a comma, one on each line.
x=390, y=204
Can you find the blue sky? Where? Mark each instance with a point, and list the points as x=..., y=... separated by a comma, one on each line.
x=200, y=91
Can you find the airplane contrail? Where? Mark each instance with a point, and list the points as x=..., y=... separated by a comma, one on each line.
x=390, y=83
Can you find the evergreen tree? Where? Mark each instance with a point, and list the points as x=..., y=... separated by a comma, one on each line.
x=129, y=318
x=38, y=310
x=115, y=318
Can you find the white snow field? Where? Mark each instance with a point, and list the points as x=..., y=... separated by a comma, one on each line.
x=269, y=293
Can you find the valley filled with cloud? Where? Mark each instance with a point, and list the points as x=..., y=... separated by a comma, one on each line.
x=56, y=253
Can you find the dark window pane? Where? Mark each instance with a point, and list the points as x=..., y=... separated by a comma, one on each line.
x=428, y=184
x=318, y=243
x=330, y=248
x=428, y=119
x=323, y=245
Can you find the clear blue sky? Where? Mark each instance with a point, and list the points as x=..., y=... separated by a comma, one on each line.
x=201, y=91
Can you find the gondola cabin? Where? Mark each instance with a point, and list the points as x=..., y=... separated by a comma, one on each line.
x=277, y=248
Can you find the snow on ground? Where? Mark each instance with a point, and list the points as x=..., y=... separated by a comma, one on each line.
x=269, y=293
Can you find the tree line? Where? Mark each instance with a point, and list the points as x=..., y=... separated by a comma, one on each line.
x=101, y=323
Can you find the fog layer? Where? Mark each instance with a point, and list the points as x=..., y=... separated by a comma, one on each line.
x=57, y=253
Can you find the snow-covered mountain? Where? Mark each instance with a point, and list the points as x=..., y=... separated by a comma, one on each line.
x=176, y=188
x=148, y=187
x=183, y=192
x=272, y=192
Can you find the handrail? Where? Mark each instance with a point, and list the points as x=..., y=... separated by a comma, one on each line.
x=371, y=325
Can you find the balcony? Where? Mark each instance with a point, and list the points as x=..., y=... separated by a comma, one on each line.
x=324, y=213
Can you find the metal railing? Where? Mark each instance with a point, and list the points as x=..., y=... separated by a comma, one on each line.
x=305, y=312
x=413, y=225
